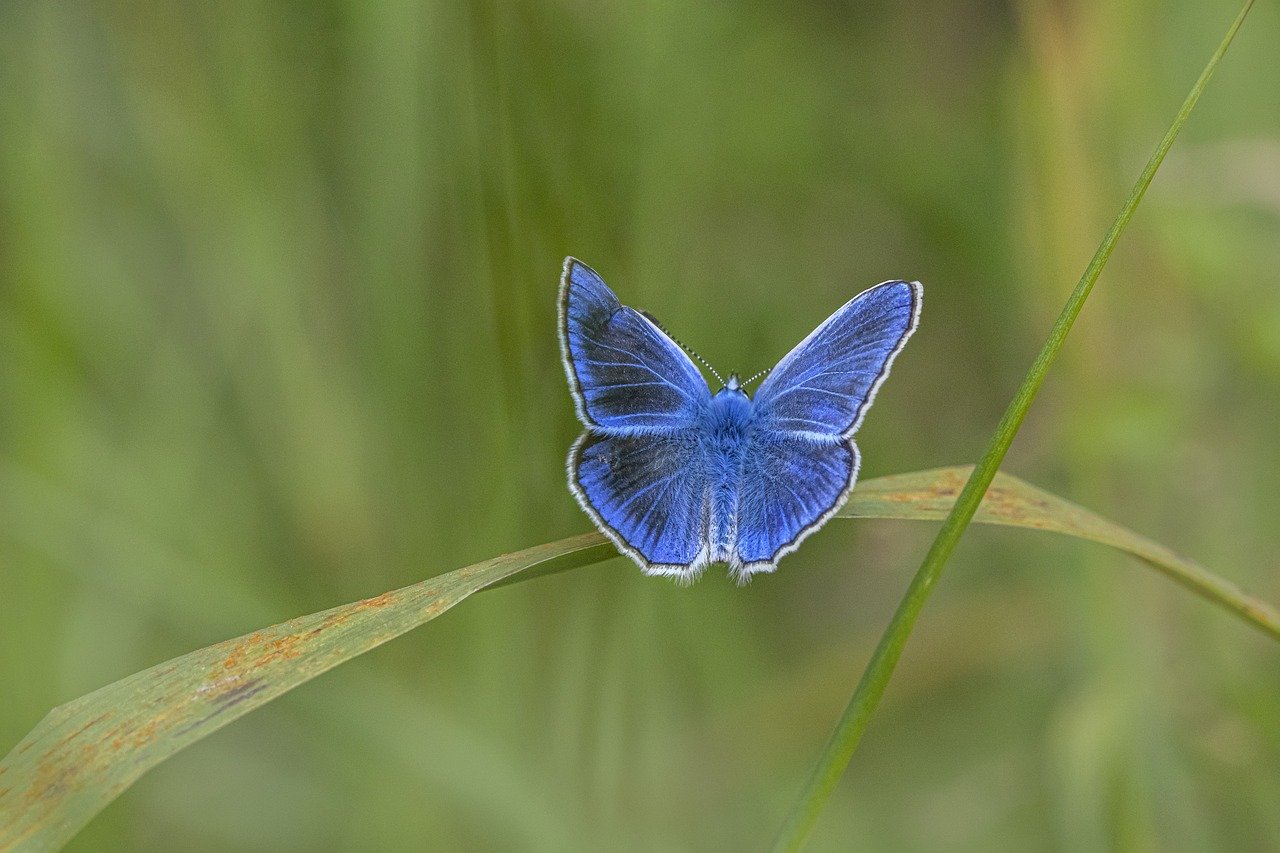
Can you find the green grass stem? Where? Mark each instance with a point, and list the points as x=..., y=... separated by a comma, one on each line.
x=848, y=732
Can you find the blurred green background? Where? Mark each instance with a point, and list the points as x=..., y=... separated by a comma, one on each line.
x=277, y=331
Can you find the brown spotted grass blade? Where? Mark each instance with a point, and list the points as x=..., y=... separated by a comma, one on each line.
x=1012, y=502
x=866, y=697
x=88, y=751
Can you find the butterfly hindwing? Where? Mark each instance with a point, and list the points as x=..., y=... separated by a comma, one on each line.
x=824, y=386
x=626, y=374
x=648, y=493
x=790, y=485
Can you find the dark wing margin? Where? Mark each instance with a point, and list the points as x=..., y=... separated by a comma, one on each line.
x=626, y=375
x=647, y=493
x=824, y=386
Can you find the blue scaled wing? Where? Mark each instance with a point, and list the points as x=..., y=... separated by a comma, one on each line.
x=648, y=493
x=639, y=470
x=626, y=374
x=790, y=485
x=802, y=462
x=825, y=385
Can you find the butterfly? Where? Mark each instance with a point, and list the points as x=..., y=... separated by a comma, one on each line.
x=678, y=477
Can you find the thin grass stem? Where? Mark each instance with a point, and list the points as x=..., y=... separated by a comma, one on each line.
x=853, y=723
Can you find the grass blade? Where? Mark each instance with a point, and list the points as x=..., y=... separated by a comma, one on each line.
x=83, y=754
x=87, y=752
x=848, y=732
x=1016, y=503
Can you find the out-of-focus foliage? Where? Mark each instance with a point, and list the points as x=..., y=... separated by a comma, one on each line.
x=277, y=331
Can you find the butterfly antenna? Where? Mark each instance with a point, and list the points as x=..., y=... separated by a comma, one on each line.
x=757, y=376
x=702, y=361
x=696, y=357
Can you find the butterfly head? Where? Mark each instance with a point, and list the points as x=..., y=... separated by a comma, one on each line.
x=733, y=386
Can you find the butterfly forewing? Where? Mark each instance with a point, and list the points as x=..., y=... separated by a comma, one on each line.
x=626, y=374
x=825, y=385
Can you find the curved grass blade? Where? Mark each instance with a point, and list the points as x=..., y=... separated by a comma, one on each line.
x=85, y=753
x=866, y=696
x=1016, y=503
x=88, y=751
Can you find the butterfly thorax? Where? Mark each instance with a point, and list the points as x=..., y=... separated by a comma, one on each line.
x=729, y=413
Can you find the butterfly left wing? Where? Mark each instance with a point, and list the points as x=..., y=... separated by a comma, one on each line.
x=802, y=462
x=626, y=374
x=639, y=470
x=825, y=385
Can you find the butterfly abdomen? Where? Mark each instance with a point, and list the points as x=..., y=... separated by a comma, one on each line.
x=725, y=438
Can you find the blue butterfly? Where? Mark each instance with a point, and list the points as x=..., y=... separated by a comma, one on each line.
x=678, y=477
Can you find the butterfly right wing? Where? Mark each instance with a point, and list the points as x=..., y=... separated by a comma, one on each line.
x=649, y=494
x=626, y=375
x=802, y=462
